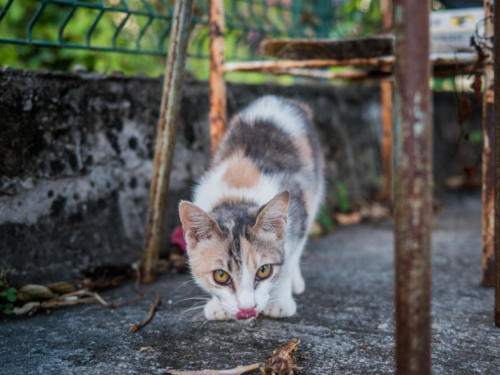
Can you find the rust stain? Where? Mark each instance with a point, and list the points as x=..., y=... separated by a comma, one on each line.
x=497, y=165
x=386, y=99
x=217, y=93
x=413, y=188
x=488, y=157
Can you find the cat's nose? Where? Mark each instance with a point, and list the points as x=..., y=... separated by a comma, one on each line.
x=246, y=300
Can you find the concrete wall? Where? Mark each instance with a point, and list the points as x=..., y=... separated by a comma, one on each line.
x=76, y=159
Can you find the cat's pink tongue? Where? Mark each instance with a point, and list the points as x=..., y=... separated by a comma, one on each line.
x=246, y=314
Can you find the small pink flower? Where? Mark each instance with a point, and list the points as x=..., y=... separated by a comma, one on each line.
x=177, y=238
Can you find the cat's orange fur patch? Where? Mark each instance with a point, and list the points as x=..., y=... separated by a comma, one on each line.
x=304, y=148
x=207, y=254
x=249, y=253
x=241, y=172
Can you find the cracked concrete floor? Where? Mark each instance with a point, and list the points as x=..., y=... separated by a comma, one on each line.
x=345, y=317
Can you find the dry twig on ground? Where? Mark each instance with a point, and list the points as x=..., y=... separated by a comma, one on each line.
x=281, y=362
x=234, y=371
x=152, y=309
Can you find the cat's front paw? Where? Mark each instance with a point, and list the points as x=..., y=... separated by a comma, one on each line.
x=214, y=311
x=281, y=308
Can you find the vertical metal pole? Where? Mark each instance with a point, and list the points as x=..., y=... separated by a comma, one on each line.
x=488, y=159
x=386, y=106
x=218, y=116
x=497, y=165
x=165, y=138
x=413, y=193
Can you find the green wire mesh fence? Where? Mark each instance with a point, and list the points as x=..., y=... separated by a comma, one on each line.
x=143, y=26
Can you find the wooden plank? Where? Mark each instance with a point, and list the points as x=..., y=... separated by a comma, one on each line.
x=444, y=65
x=326, y=49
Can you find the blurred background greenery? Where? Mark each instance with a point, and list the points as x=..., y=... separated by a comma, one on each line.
x=144, y=27
x=131, y=36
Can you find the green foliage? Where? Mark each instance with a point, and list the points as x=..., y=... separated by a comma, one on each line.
x=324, y=218
x=475, y=137
x=248, y=22
x=8, y=295
x=342, y=196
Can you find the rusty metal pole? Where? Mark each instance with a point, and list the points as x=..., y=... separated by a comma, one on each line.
x=488, y=158
x=386, y=112
x=497, y=165
x=217, y=93
x=413, y=192
x=165, y=138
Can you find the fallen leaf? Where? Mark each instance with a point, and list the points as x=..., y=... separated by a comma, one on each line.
x=282, y=361
x=144, y=348
x=26, y=308
x=234, y=371
x=36, y=292
x=348, y=219
x=62, y=287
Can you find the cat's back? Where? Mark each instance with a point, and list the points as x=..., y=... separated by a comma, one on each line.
x=276, y=133
x=270, y=146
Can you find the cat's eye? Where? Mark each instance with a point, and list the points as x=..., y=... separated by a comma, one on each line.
x=264, y=272
x=221, y=277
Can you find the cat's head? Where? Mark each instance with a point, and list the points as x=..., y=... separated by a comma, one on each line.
x=236, y=251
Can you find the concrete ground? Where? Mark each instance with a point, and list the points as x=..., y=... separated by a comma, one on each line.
x=344, y=319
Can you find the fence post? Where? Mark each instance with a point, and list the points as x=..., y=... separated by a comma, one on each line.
x=413, y=194
x=497, y=164
x=488, y=157
x=165, y=138
x=386, y=112
x=217, y=90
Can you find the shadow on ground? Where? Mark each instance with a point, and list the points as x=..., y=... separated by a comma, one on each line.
x=345, y=317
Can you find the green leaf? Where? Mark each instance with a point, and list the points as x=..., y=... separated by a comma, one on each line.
x=1, y=283
x=342, y=197
x=7, y=308
x=324, y=219
x=12, y=294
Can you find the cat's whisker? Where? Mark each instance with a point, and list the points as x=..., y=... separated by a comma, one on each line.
x=183, y=284
x=193, y=308
x=203, y=324
x=191, y=299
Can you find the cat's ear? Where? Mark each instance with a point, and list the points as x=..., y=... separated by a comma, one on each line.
x=196, y=224
x=271, y=220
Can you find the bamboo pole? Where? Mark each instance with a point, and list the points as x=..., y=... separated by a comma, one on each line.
x=413, y=188
x=217, y=93
x=165, y=138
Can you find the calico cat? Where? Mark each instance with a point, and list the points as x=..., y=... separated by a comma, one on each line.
x=252, y=210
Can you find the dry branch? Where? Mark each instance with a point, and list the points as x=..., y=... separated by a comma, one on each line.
x=234, y=371
x=281, y=362
x=152, y=309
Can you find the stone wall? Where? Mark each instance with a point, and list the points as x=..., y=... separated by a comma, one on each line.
x=76, y=159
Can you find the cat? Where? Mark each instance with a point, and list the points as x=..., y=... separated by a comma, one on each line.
x=252, y=210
